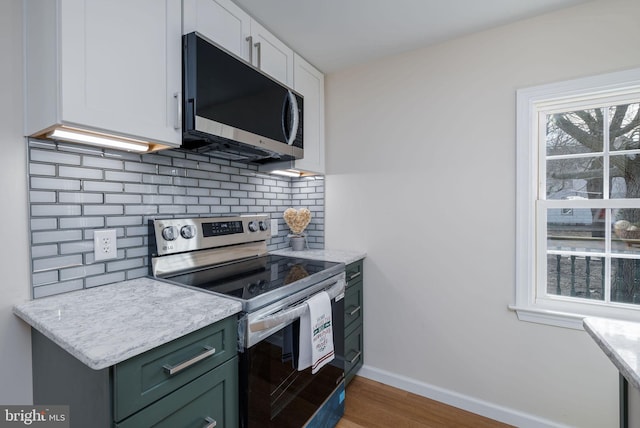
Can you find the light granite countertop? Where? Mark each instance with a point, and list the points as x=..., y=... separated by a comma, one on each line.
x=340, y=256
x=106, y=325
x=620, y=341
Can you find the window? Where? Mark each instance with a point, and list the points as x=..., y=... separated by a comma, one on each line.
x=578, y=200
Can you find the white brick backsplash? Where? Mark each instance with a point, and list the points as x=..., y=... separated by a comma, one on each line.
x=44, y=197
x=141, y=167
x=57, y=288
x=54, y=184
x=103, y=209
x=44, y=251
x=53, y=157
x=122, y=199
x=44, y=223
x=94, y=281
x=59, y=262
x=101, y=186
x=42, y=169
x=81, y=198
x=76, y=190
x=124, y=221
x=55, y=210
x=76, y=172
x=157, y=179
x=102, y=163
x=44, y=278
x=81, y=222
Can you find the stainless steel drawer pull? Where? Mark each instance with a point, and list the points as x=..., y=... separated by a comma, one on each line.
x=355, y=275
x=212, y=422
x=355, y=358
x=355, y=311
x=171, y=370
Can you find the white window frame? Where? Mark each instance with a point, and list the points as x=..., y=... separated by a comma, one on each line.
x=567, y=313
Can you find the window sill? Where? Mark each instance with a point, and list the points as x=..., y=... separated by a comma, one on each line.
x=549, y=317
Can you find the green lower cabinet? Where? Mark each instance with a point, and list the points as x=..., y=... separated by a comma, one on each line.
x=191, y=381
x=208, y=401
x=353, y=320
x=353, y=354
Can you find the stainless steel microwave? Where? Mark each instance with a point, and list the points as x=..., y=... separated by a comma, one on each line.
x=232, y=110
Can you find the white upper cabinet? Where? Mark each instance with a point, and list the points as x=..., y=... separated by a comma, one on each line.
x=309, y=82
x=224, y=23
x=221, y=21
x=107, y=66
x=271, y=55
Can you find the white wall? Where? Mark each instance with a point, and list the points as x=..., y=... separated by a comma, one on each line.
x=15, y=344
x=421, y=176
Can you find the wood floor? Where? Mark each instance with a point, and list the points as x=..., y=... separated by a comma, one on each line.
x=371, y=404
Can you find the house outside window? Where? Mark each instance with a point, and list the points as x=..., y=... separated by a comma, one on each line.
x=578, y=200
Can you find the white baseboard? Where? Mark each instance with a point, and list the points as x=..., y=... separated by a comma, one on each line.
x=470, y=404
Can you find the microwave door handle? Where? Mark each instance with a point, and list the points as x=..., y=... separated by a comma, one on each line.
x=293, y=106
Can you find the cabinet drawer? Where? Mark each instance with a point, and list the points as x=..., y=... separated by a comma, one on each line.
x=353, y=307
x=148, y=377
x=208, y=400
x=353, y=358
x=353, y=271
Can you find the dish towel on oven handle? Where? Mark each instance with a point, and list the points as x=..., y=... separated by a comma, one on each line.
x=316, y=333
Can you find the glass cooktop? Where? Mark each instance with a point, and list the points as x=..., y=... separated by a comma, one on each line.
x=262, y=280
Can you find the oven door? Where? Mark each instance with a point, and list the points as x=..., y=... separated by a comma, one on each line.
x=273, y=393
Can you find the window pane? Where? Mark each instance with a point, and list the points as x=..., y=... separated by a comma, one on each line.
x=576, y=178
x=625, y=281
x=625, y=127
x=577, y=229
x=575, y=132
x=625, y=236
x=575, y=276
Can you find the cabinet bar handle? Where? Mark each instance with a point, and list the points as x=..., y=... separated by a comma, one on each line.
x=258, y=55
x=351, y=361
x=355, y=275
x=250, y=40
x=178, y=121
x=211, y=422
x=355, y=310
x=171, y=370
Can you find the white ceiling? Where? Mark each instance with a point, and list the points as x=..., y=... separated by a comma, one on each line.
x=335, y=34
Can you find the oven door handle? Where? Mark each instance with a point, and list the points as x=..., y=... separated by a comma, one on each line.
x=293, y=312
x=278, y=318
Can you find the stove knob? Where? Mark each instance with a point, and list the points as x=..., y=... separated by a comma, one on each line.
x=264, y=225
x=253, y=226
x=188, y=231
x=170, y=233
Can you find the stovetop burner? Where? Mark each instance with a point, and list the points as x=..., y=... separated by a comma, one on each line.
x=258, y=281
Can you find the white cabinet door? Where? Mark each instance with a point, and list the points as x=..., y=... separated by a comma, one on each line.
x=309, y=82
x=271, y=55
x=220, y=21
x=118, y=65
x=224, y=23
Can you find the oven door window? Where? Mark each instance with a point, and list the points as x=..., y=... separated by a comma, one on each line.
x=273, y=393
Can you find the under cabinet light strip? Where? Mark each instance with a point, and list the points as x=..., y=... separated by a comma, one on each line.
x=98, y=140
x=287, y=172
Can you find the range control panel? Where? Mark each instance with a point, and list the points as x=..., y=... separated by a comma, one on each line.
x=180, y=235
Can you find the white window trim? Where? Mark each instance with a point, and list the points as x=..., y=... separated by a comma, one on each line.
x=529, y=100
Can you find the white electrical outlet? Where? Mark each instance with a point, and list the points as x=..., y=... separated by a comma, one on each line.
x=274, y=227
x=104, y=244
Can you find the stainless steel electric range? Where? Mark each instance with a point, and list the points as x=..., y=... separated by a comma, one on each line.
x=228, y=256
